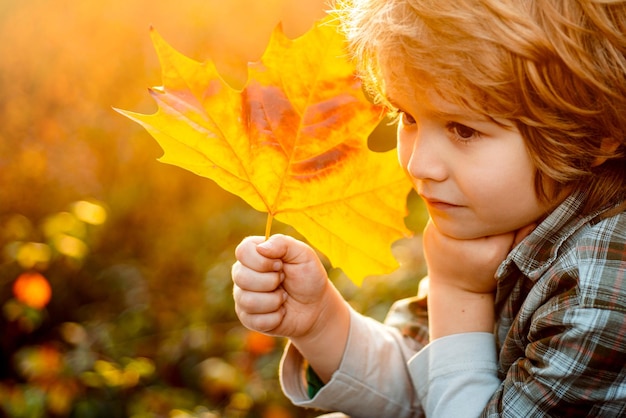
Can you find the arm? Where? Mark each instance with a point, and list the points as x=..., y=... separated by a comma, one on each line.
x=462, y=279
x=281, y=288
x=372, y=380
x=456, y=374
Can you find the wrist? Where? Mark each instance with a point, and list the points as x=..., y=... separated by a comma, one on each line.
x=323, y=346
x=453, y=310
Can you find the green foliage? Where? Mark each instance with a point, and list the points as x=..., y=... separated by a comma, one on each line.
x=137, y=255
x=135, y=333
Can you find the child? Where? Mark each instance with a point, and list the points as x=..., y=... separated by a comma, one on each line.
x=512, y=127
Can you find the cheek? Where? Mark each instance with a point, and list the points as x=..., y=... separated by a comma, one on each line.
x=504, y=181
x=507, y=189
x=508, y=170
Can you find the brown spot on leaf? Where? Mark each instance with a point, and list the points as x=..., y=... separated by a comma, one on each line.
x=268, y=117
x=322, y=164
x=330, y=114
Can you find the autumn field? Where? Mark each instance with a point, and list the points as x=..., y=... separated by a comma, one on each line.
x=115, y=288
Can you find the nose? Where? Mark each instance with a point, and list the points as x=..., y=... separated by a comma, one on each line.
x=421, y=155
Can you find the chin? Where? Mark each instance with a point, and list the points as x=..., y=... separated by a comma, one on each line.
x=462, y=233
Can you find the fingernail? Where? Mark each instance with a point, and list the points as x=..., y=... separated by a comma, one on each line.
x=265, y=244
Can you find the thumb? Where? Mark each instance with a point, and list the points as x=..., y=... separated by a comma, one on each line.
x=284, y=247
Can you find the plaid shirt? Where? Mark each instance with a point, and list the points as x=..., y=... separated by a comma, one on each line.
x=561, y=328
x=561, y=319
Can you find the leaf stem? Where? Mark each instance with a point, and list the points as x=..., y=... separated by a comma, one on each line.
x=268, y=225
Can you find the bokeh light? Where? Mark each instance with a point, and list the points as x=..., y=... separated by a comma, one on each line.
x=115, y=290
x=32, y=289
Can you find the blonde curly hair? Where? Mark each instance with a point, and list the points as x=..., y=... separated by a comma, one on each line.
x=556, y=68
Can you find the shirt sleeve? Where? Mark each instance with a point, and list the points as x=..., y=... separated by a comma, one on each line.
x=372, y=380
x=455, y=376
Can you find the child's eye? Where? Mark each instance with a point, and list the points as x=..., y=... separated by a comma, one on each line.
x=461, y=132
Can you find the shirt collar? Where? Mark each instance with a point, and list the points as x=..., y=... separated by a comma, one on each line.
x=535, y=253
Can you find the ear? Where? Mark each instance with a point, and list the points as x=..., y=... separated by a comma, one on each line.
x=608, y=147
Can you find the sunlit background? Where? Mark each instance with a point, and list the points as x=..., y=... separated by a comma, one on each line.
x=115, y=289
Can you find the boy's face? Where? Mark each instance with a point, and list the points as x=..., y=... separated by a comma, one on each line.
x=475, y=176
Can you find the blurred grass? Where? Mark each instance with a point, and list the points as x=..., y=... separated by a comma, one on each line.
x=137, y=254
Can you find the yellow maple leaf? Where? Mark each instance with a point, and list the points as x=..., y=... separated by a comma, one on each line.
x=292, y=142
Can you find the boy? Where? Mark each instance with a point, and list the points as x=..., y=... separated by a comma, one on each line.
x=512, y=127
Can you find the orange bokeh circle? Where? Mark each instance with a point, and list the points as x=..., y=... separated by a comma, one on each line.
x=32, y=289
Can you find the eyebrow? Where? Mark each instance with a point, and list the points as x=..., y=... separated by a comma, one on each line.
x=445, y=115
x=468, y=115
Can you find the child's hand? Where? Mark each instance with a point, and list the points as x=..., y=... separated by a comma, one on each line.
x=281, y=288
x=461, y=279
x=468, y=265
x=280, y=285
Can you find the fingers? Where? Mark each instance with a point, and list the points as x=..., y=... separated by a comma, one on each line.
x=259, y=311
x=286, y=248
x=257, y=289
x=255, y=281
x=275, y=257
x=248, y=254
x=258, y=302
x=265, y=272
x=265, y=323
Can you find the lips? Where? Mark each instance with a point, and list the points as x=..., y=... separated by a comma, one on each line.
x=438, y=203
